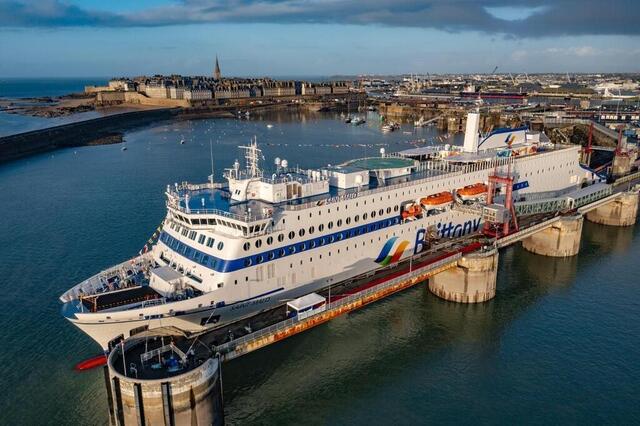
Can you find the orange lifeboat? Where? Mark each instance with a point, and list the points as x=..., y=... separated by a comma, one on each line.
x=472, y=191
x=437, y=200
x=411, y=212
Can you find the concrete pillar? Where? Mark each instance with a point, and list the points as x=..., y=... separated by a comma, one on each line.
x=622, y=211
x=562, y=239
x=621, y=165
x=472, y=280
x=161, y=398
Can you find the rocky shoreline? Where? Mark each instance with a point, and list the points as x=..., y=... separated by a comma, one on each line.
x=48, y=107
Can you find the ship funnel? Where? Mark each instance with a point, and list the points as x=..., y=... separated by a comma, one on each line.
x=471, y=132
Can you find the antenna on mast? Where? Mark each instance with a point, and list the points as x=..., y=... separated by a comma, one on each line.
x=211, y=153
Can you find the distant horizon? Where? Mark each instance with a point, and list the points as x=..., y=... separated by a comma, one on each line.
x=282, y=76
x=76, y=38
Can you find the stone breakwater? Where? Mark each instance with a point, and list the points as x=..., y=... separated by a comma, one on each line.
x=98, y=131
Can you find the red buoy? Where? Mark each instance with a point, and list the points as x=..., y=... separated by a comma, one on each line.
x=88, y=364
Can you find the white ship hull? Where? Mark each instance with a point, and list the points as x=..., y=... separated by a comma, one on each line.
x=212, y=267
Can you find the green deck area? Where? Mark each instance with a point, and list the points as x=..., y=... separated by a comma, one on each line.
x=377, y=163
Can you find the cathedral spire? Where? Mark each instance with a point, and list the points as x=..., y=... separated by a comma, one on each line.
x=216, y=73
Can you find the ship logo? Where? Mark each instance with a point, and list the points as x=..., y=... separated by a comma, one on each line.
x=384, y=258
x=510, y=138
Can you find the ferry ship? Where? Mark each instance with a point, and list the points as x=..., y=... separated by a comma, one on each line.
x=229, y=250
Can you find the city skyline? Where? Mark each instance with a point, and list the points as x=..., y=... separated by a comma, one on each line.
x=315, y=38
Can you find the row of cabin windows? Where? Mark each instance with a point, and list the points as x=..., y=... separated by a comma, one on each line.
x=202, y=238
x=296, y=248
x=210, y=221
x=312, y=229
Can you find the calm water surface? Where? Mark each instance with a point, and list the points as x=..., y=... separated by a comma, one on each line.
x=559, y=343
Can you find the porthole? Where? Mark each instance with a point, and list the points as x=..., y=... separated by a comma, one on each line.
x=388, y=210
x=364, y=216
x=246, y=246
x=220, y=245
x=332, y=239
x=269, y=240
x=301, y=232
x=303, y=247
x=311, y=230
x=321, y=227
x=339, y=222
x=373, y=214
x=281, y=238
x=260, y=258
x=247, y=262
x=348, y=221
x=356, y=219
x=380, y=212
x=258, y=243
x=292, y=235
x=330, y=225
x=281, y=252
x=312, y=244
x=396, y=208
x=340, y=236
x=322, y=241
x=292, y=249
x=272, y=255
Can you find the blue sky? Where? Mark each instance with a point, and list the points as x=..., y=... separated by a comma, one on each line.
x=316, y=37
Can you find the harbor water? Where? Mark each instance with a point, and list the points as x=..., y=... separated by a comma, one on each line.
x=560, y=343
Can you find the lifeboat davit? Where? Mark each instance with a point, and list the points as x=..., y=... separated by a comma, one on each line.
x=472, y=191
x=411, y=212
x=437, y=200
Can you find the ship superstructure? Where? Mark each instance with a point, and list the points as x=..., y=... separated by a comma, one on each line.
x=227, y=251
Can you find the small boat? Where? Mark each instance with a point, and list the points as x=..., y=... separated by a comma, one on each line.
x=124, y=148
x=88, y=364
x=358, y=121
x=269, y=126
x=347, y=120
x=440, y=199
x=421, y=122
x=471, y=192
x=182, y=141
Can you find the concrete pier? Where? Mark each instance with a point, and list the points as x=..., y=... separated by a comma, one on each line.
x=623, y=211
x=562, y=239
x=472, y=280
x=152, y=393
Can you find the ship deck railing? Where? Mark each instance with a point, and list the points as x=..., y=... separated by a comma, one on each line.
x=99, y=284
